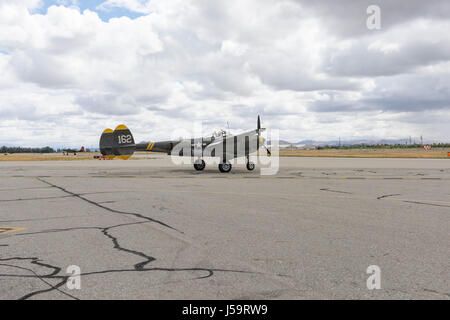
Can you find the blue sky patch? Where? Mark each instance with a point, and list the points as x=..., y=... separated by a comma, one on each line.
x=92, y=5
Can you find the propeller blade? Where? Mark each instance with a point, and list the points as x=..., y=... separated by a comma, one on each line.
x=259, y=124
x=268, y=151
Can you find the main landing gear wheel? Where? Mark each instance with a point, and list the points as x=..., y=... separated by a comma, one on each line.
x=225, y=167
x=250, y=166
x=199, y=165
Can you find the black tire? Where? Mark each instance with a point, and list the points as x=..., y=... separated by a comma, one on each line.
x=250, y=166
x=225, y=167
x=200, y=165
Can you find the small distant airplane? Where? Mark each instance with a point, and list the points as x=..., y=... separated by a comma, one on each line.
x=67, y=151
x=120, y=143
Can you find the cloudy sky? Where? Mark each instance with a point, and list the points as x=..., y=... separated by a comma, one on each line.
x=312, y=69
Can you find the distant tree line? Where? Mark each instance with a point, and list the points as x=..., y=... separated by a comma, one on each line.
x=384, y=146
x=5, y=149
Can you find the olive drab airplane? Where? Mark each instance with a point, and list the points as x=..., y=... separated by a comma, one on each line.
x=120, y=143
x=67, y=151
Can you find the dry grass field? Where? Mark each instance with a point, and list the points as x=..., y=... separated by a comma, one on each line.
x=438, y=153
x=45, y=156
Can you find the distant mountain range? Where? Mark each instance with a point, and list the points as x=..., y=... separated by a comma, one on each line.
x=316, y=143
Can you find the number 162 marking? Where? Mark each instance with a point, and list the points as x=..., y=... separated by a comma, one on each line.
x=124, y=139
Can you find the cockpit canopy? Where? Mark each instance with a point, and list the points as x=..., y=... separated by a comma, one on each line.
x=220, y=133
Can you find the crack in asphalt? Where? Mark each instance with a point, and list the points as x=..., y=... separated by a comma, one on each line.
x=105, y=231
x=426, y=203
x=77, y=195
x=41, y=219
x=52, y=287
x=436, y=292
x=337, y=191
x=36, y=261
x=388, y=195
x=30, y=199
x=54, y=197
x=138, y=267
x=31, y=188
x=51, y=275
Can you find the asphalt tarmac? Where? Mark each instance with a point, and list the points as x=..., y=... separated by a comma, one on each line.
x=147, y=229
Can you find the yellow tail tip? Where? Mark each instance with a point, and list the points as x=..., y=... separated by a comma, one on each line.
x=108, y=130
x=124, y=157
x=121, y=127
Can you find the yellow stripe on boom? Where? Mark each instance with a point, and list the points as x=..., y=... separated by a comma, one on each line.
x=150, y=146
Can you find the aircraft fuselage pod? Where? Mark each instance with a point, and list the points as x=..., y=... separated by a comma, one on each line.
x=120, y=143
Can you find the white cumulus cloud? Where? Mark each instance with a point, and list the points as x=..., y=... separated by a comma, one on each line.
x=312, y=70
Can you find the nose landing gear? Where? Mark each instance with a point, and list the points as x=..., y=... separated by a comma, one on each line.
x=250, y=165
x=225, y=167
